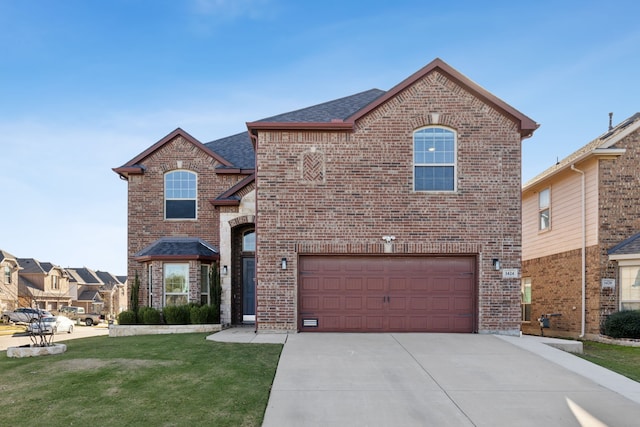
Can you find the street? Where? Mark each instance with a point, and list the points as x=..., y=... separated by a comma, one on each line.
x=78, y=332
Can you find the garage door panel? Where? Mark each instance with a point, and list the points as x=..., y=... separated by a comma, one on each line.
x=310, y=303
x=353, y=303
x=331, y=284
x=353, y=283
x=387, y=293
x=375, y=284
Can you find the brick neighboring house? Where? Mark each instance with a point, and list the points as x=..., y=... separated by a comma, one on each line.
x=381, y=211
x=42, y=285
x=86, y=287
x=9, y=268
x=587, y=204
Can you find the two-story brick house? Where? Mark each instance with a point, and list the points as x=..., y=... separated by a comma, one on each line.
x=381, y=211
x=581, y=219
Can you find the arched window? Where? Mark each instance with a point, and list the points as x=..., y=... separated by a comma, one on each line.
x=180, y=195
x=249, y=241
x=434, y=159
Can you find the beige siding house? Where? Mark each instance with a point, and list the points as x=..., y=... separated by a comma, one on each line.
x=578, y=218
x=8, y=281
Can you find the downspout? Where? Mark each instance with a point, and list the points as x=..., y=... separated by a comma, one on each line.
x=254, y=140
x=584, y=251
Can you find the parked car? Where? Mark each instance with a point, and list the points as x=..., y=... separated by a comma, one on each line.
x=51, y=325
x=24, y=315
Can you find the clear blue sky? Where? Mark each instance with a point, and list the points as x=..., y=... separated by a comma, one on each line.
x=87, y=85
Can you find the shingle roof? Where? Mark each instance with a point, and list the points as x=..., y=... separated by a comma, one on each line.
x=86, y=276
x=628, y=246
x=182, y=247
x=340, y=108
x=30, y=265
x=6, y=255
x=90, y=295
x=237, y=149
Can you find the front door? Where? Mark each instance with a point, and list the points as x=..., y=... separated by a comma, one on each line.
x=248, y=289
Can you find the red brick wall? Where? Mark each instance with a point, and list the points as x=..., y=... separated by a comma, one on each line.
x=364, y=190
x=146, y=222
x=556, y=287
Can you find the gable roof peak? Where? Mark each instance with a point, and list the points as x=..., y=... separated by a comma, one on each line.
x=526, y=125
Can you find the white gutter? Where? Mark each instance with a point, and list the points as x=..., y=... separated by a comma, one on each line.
x=584, y=248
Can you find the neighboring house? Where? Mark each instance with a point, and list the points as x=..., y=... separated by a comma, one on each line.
x=86, y=285
x=381, y=211
x=580, y=248
x=111, y=293
x=42, y=285
x=9, y=268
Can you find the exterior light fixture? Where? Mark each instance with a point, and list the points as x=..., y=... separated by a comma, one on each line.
x=225, y=270
x=284, y=263
x=496, y=264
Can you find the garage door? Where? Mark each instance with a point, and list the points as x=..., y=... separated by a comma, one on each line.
x=387, y=294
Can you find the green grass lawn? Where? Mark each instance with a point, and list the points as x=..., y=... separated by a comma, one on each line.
x=620, y=359
x=158, y=380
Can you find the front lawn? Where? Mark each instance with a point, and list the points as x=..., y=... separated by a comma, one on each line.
x=620, y=359
x=160, y=380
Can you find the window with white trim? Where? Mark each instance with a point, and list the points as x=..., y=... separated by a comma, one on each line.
x=544, y=209
x=176, y=284
x=434, y=159
x=7, y=274
x=629, y=287
x=180, y=193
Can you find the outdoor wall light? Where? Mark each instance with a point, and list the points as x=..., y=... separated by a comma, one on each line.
x=225, y=270
x=496, y=264
x=284, y=263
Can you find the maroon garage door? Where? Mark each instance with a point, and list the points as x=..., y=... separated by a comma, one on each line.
x=387, y=294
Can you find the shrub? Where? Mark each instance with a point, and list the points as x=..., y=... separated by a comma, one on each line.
x=202, y=314
x=127, y=317
x=149, y=316
x=177, y=314
x=623, y=324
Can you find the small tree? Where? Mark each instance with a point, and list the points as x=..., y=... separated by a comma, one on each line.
x=216, y=293
x=134, y=298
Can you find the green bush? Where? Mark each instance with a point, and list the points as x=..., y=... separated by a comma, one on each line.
x=177, y=314
x=202, y=314
x=149, y=316
x=127, y=317
x=623, y=324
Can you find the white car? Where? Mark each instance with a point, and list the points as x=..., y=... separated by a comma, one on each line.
x=51, y=325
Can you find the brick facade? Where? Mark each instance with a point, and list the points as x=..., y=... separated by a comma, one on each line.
x=146, y=222
x=358, y=186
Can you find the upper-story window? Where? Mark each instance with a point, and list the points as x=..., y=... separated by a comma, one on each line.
x=434, y=159
x=7, y=275
x=180, y=192
x=544, y=209
x=249, y=241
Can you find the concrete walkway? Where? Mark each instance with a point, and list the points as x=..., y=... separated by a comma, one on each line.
x=438, y=380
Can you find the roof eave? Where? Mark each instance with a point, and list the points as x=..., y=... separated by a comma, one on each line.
x=333, y=125
x=145, y=258
x=604, y=153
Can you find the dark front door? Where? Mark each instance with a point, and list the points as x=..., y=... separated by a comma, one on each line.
x=248, y=289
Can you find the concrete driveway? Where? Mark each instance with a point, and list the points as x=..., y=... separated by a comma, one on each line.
x=442, y=380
